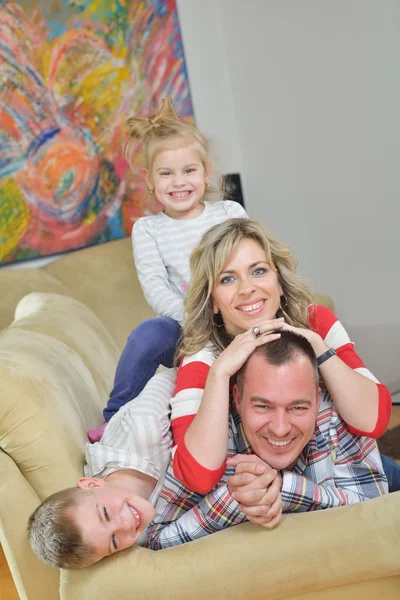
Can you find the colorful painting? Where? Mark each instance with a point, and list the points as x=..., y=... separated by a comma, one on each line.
x=71, y=73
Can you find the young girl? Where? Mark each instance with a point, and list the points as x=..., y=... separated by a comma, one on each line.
x=177, y=171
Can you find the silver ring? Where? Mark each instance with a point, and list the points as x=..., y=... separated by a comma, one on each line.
x=256, y=331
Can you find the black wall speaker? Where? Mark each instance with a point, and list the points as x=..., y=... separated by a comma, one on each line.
x=233, y=188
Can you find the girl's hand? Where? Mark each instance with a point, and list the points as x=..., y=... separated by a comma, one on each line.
x=244, y=344
x=316, y=341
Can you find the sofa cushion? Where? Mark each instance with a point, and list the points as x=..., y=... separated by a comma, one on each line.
x=57, y=363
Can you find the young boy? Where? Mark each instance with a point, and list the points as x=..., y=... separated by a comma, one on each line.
x=124, y=474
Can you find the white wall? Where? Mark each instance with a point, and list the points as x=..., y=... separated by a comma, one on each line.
x=209, y=80
x=304, y=99
x=316, y=91
x=316, y=97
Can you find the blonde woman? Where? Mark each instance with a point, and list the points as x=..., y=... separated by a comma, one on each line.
x=245, y=290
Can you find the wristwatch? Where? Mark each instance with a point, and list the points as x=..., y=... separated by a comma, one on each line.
x=325, y=356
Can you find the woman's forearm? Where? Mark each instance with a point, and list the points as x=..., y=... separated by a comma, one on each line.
x=356, y=397
x=207, y=436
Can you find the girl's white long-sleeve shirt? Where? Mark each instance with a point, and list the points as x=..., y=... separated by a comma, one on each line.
x=161, y=251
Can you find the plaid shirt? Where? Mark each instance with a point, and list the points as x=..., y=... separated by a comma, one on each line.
x=335, y=468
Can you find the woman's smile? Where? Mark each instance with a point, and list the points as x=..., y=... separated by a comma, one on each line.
x=255, y=307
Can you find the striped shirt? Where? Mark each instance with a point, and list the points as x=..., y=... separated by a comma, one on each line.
x=190, y=383
x=161, y=251
x=335, y=468
x=138, y=436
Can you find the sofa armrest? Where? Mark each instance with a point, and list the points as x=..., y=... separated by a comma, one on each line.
x=306, y=552
x=33, y=579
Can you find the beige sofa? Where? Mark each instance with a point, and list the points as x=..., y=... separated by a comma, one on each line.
x=57, y=361
x=102, y=277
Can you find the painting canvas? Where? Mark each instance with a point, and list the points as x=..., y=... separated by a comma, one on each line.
x=71, y=73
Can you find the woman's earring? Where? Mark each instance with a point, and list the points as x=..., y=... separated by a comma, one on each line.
x=151, y=191
x=218, y=320
x=286, y=303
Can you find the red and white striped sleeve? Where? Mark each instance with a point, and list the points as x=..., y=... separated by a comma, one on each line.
x=189, y=389
x=327, y=325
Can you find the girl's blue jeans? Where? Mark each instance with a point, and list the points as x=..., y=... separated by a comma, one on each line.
x=150, y=345
x=392, y=472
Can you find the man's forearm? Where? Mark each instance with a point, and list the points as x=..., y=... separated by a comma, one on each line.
x=207, y=436
x=300, y=494
x=215, y=512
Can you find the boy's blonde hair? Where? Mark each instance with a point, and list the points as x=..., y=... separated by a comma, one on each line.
x=206, y=264
x=162, y=131
x=54, y=535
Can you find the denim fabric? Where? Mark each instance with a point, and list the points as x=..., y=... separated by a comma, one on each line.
x=392, y=472
x=150, y=345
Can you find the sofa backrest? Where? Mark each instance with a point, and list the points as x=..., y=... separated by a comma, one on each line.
x=102, y=277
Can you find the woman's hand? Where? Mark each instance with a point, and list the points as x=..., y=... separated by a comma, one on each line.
x=316, y=341
x=244, y=344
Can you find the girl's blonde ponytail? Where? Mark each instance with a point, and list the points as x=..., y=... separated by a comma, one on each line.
x=140, y=127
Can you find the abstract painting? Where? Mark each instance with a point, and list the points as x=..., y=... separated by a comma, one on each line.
x=71, y=73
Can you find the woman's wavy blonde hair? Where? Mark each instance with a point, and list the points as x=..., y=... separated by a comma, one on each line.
x=162, y=131
x=206, y=264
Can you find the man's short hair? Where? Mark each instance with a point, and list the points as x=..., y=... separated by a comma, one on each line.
x=281, y=351
x=53, y=533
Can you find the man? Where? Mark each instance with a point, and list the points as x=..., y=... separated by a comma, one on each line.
x=285, y=455
x=293, y=441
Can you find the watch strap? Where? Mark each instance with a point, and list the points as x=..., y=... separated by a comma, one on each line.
x=325, y=356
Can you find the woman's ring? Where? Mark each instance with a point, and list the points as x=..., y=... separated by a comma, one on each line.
x=256, y=331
